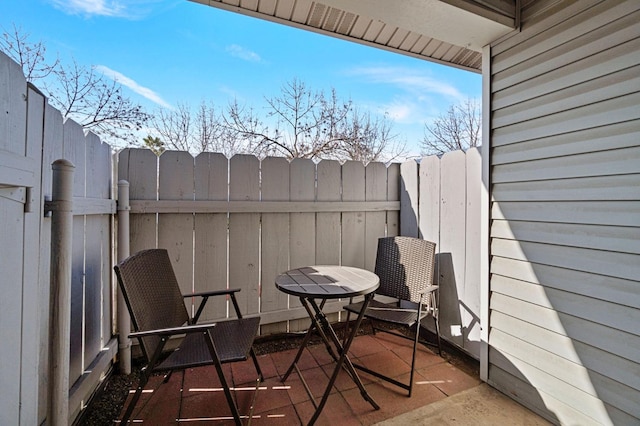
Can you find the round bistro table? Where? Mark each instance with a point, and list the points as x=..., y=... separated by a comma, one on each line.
x=321, y=283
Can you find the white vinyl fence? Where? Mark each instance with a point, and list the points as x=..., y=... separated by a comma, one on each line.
x=239, y=222
x=441, y=202
x=32, y=136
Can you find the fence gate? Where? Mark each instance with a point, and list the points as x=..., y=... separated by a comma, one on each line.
x=32, y=136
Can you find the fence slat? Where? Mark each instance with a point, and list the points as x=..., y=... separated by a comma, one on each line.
x=74, y=151
x=430, y=200
x=210, y=261
x=175, y=231
x=97, y=313
x=409, y=199
x=451, y=258
x=472, y=288
x=328, y=224
x=375, y=190
x=244, y=232
x=393, y=194
x=12, y=139
x=353, y=229
x=34, y=242
x=139, y=168
x=302, y=231
x=275, y=238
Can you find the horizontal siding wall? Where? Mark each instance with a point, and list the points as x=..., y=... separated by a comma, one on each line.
x=565, y=231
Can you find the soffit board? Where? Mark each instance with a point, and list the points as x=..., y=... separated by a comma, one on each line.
x=434, y=30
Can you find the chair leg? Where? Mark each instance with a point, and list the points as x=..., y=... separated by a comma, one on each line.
x=223, y=380
x=227, y=394
x=435, y=320
x=413, y=357
x=146, y=373
x=144, y=378
x=255, y=362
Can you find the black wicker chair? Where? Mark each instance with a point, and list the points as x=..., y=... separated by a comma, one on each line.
x=405, y=266
x=158, y=311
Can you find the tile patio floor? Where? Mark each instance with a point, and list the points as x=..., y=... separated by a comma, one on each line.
x=201, y=402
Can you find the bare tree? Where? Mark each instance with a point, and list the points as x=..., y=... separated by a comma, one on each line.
x=80, y=93
x=302, y=123
x=96, y=103
x=298, y=123
x=174, y=127
x=203, y=130
x=457, y=129
x=30, y=56
x=369, y=138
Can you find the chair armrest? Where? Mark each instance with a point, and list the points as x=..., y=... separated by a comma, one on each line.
x=212, y=293
x=429, y=289
x=205, y=297
x=172, y=331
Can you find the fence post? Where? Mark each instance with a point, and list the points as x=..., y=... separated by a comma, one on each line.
x=124, y=322
x=60, y=308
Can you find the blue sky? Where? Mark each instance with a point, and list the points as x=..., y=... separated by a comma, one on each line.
x=175, y=51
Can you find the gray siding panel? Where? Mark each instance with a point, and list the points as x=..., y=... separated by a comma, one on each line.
x=565, y=234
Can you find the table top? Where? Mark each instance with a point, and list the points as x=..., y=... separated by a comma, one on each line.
x=327, y=281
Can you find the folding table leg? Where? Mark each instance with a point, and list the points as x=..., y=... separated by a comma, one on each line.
x=344, y=359
x=307, y=337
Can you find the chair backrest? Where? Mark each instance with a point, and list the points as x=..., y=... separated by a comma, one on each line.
x=152, y=294
x=405, y=266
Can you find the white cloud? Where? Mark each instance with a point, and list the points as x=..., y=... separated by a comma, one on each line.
x=409, y=80
x=243, y=53
x=399, y=111
x=133, y=85
x=130, y=9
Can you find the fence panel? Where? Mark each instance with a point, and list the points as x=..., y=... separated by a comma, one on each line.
x=74, y=151
x=452, y=243
x=409, y=192
x=97, y=299
x=353, y=226
x=287, y=214
x=244, y=232
x=302, y=227
x=328, y=224
x=140, y=168
x=274, y=239
x=175, y=230
x=252, y=220
x=429, y=204
x=34, y=258
x=12, y=204
x=393, y=194
x=210, y=232
x=471, y=297
x=374, y=222
x=449, y=214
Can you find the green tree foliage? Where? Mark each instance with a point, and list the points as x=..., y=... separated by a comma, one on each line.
x=154, y=144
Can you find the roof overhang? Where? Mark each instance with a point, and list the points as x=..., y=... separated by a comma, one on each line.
x=451, y=32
